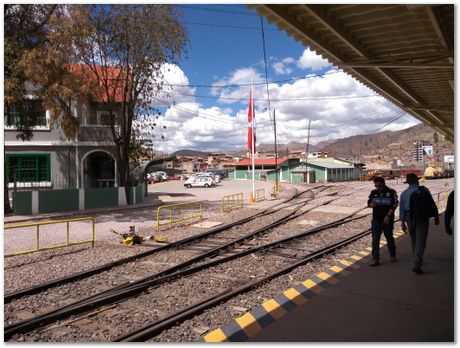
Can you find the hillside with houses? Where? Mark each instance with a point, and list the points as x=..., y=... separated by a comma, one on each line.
x=384, y=151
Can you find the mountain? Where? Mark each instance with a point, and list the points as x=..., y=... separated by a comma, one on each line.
x=283, y=148
x=388, y=145
x=189, y=152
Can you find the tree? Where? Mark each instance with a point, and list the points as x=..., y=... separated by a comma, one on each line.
x=25, y=27
x=109, y=53
x=124, y=55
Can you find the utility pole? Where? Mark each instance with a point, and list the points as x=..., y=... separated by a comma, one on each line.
x=306, y=154
x=276, y=153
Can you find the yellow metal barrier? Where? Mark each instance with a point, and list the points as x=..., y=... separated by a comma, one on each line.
x=68, y=243
x=260, y=195
x=181, y=216
x=232, y=201
x=438, y=199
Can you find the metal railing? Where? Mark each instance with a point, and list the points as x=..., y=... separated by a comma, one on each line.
x=181, y=217
x=260, y=195
x=66, y=244
x=438, y=199
x=231, y=201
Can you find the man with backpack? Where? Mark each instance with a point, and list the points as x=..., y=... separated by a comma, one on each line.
x=417, y=206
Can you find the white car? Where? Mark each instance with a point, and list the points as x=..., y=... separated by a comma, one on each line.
x=215, y=178
x=162, y=175
x=199, y=181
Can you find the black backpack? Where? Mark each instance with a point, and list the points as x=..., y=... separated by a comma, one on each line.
x=422, y=205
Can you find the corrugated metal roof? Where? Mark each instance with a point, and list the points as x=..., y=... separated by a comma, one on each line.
x=403, y=52
x=330, y=165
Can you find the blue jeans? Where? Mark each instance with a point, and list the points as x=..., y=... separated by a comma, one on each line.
x=377, y=228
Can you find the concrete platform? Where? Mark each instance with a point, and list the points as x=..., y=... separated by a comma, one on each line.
x=388, y=303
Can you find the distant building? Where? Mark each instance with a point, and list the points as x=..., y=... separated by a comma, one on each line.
x=296, y=154
x=449, y=162
x=265, y=169
x=318, y=154
x=418, y=151
x=292, y=170
x=334, y=169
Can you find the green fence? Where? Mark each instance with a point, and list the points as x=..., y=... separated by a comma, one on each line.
x=58, y=200
x=22, y=203
x=49, y=201
x=106, y=197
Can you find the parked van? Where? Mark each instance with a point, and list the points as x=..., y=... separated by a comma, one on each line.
x=199, y=181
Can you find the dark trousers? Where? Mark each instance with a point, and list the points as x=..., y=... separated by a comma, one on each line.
x=377, y=228
x=418, y=231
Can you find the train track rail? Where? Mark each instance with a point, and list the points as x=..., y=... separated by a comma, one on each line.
x=147, y=332
x=178, y=244
x=131, y=289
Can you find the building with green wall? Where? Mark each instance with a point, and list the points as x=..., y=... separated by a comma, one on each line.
x=265, y=169
x=333, y=169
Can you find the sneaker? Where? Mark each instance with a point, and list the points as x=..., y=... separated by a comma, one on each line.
x=374, y=263
x=393, y=258
x=417, y=270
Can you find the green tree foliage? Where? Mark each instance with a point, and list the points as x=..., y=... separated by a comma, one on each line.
x=112, y=54
x=24, y=29
x=124, y=54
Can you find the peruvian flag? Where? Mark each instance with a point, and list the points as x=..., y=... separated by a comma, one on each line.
x=251, y=116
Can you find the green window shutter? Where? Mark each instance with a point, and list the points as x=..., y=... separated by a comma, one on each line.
x=29, y=167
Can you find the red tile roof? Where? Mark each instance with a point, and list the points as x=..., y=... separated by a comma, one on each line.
x=261, y=161
x=99, y=74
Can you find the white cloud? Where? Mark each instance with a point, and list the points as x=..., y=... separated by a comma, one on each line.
x=311, y=60
x=338, y=106
x=175, y=85
x=282, y=67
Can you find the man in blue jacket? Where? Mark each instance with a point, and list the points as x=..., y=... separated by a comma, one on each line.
x=417, y=206
x=383, y=201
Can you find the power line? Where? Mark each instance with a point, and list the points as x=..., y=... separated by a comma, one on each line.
x=203, y=115
x=217, y=10
x=254, y=84
x=397, y=117
x=224, y=26
x=199, y=114
x=278, y=100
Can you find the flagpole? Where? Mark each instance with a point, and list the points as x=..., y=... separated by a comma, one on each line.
x=252, y=147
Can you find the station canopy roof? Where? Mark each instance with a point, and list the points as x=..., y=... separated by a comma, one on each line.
x=403, y=52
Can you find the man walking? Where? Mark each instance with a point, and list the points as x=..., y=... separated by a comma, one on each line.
x=417, y=206
x=383, y=201
x=449, y=214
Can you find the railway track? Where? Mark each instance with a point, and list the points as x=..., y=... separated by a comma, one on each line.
x=175, y=245
x=156, y=327
x=136, y=287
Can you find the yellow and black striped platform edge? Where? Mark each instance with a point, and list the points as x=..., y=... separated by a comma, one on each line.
x=250, y=323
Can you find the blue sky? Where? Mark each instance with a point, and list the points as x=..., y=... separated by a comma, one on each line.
x=231, y=41
x=227, y=49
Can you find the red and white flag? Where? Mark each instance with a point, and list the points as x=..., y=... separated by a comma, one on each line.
x=251, y=116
